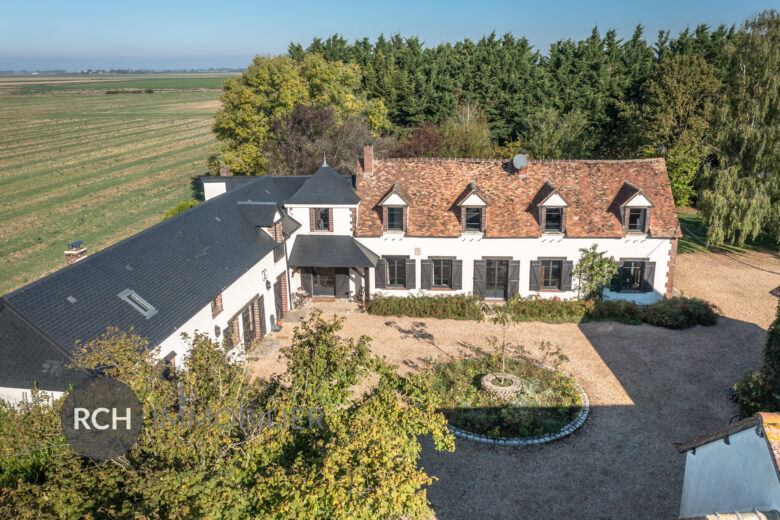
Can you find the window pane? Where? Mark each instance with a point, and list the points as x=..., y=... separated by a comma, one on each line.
x=473, y=219
x=636, y=219
x=442, y=273
x=552, y=219
x=551, y=274
x=631, y=275
x=322, y=219
x=395, y=218
x=396, y=272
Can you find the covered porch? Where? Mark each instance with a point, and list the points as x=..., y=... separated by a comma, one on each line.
x=332, y=266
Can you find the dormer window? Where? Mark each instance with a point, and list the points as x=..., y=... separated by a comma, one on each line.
x=472, y=205
x=553, y=220
x=395, y=218
x=473, y=219
x=552, y=209
x=322, y=219
x=636, y=220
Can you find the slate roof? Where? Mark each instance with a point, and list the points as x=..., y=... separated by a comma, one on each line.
x=178, y=266
x=326, y=186
x=590, y=188
x=330, y=251
x=260, y=214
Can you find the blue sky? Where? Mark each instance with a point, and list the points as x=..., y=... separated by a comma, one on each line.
x=76, y=35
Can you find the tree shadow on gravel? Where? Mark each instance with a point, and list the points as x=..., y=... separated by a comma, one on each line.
x=665, y=386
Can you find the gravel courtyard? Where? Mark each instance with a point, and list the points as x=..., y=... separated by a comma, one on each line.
x=649, y=387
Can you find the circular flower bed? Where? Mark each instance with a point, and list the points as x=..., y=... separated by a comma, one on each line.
x=546, y=404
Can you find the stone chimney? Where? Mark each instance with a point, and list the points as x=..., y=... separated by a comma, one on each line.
x=75, y=252
x=224, y=171
x=368, y=159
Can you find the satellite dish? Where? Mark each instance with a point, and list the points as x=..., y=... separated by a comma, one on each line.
x=520, y=161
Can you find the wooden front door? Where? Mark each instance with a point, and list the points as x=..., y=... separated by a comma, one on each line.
x=342, y=282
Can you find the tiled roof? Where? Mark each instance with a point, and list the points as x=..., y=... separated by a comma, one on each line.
x=590, y=188
x=770, y=422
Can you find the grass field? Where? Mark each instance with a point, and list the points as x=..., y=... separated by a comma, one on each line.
x=79, y=164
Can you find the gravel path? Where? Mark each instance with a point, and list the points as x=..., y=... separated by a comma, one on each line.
x=649, y=387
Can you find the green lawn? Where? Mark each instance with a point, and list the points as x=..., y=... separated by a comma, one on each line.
x=694, y=236
x=78, y=164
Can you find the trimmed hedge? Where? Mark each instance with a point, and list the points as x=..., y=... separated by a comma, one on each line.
x=453, y=307
x=673, y=313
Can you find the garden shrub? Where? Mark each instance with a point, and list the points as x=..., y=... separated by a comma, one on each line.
x=674, y=313
x=759, y=391
x=180, y=207
x=680, y=313
x=457, y=307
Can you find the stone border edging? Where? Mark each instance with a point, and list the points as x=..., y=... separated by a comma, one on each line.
x=531, y=441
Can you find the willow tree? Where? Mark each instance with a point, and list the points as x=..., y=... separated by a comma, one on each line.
x=742, y=197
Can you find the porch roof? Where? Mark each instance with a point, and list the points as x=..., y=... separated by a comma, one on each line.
x=330, y=251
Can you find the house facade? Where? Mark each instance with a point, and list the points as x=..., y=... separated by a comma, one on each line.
x=229, y=267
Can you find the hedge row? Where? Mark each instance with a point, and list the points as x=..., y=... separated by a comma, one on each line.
x=452, y=307
x=673, y=313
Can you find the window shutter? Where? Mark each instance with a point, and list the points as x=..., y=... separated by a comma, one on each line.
x=483, y=216
x=648, y=276
x=566, y=275
x=385, y=225
x=411, y=283
x=616, y=284
x=426, y=274
x=462, y=219
x=457, y=274
x=647, y=221
x=405, y=213
x=380, y=274
x=624, y=214
x=514, y=278
x=563, y=219
x=536, y=276
x=480, y=267
x=330, y=219
x=311, y=219
x=542, y=219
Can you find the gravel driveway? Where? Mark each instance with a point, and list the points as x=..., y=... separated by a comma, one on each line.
x=648, y=386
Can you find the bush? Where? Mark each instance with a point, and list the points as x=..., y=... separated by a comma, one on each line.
x=550, y=311
x=760, y=391
x=680, y=313
x=674, y=313
x=456, y=307
x=180, y=207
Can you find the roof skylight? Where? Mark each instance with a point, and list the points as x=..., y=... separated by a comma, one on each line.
x=138, y=303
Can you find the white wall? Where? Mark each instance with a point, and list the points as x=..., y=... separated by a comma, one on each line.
x=16, y=396
x=723, y=478
x=234, y=298
x=212, y=189
x=342, y=219
x=470, y=247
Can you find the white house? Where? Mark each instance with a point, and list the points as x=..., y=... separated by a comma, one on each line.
x=734, y=471
x=228, y=266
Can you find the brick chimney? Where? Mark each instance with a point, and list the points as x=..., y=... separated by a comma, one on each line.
x=368, y=159
x=75, y=252
x=224, y=171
